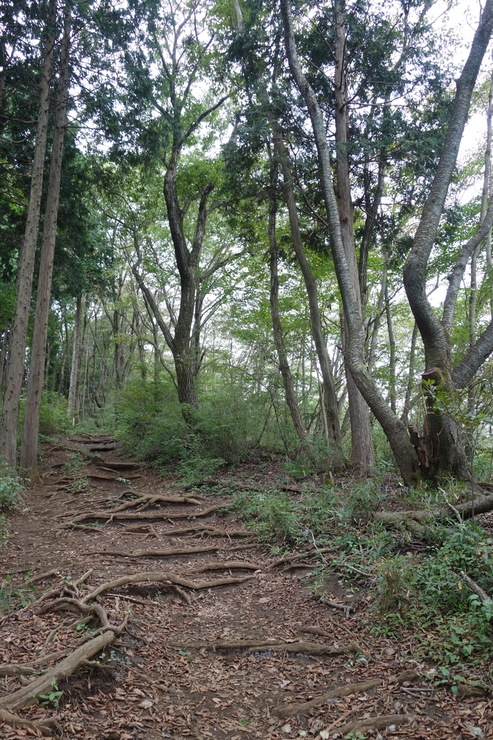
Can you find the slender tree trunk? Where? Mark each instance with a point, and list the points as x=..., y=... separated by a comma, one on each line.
x=330, y=397
x=30, y=433
x=410, y=376
x=362, y=452
x=17, y=348
x=73, y=393
x=287, y=378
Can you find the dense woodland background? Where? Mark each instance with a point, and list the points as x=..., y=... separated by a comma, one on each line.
x=228, y=226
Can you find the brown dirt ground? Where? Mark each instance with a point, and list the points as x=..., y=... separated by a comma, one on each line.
x=156, y=680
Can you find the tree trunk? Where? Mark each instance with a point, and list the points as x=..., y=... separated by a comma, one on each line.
x=362, y=452
x=30, y=432
x=442, y=433
x=396, y=432
x=287, y=378
x=17, y=348
x=330, y=397
x=73, y=394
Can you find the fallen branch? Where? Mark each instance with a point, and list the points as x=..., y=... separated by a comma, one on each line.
x=476, y=588
x=353, y=688
x=323, y=633
x=480, y=505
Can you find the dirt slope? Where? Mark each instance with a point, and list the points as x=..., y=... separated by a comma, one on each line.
x=221, y=643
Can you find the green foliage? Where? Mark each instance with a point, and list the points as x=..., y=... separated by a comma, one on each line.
x=52, y=698
x=393, y=584
x=11, y=486
x=53, y=417
x=149, y=420
x=10, y=595
x=420, y=591
x=273, y=516
x=429, y=595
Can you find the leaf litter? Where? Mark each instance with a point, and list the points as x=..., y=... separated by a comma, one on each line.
x=225, y=655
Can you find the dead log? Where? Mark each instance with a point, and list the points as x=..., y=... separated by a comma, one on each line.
x=480, y=505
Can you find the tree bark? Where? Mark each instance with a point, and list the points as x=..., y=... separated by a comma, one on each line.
x=73, y=393
x=362, y=452
x=329, y=395
x=287, y=378
x=25, y=270
x=442, y=433
x=396, y=432
x=30, y=432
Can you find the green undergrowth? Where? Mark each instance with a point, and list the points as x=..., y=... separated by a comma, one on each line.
x=412, y=588
x=11, y=486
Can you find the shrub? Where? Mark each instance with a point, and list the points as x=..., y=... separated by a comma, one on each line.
x=11, y=486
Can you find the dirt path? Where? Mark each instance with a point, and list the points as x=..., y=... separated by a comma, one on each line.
x=217, y=644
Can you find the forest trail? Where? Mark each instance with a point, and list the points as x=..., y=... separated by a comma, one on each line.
x=209, y=635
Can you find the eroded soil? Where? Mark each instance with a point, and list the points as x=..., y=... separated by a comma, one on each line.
x=190, y=662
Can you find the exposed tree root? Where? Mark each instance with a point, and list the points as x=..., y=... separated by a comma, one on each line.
x=168, y=553
x=29, y=694
x=43, y=725
x=352, y=688
x=372, y=723
x=111, y=514
x=119, y=465
x=308, y=648
x=227, y=565
x=160, y=577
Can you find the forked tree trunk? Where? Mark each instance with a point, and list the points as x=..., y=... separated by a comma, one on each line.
x=30, y=432
x=25, y=268
x=396, y=432
x=442, y=434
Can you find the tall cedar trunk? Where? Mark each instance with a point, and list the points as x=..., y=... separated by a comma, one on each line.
x=329, y=394
x=30, y=432
x=442, y=438
x=396, y=432
x=25, y=269
x=287, y=378
x=362, y=452
x=73, y=393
